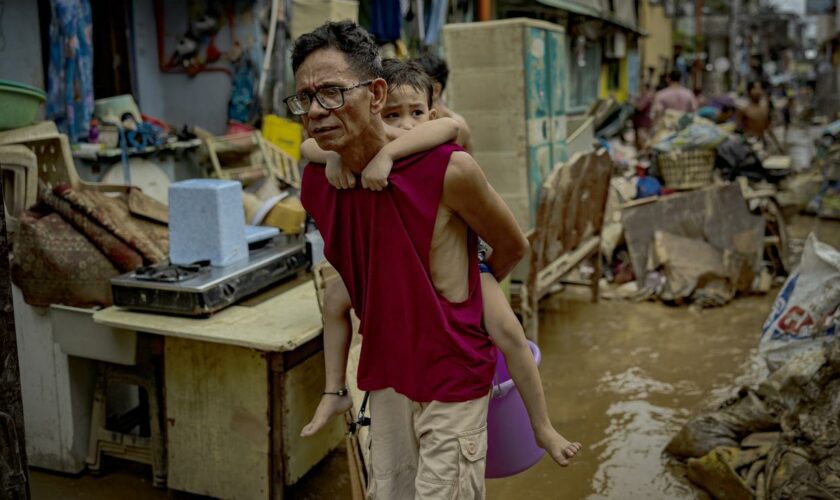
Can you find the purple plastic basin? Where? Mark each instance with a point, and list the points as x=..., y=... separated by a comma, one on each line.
x=511, y=445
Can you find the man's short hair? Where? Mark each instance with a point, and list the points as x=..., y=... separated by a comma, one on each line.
x=348, y=37
x=675, y=76
x=407, y=73
x=435, y=67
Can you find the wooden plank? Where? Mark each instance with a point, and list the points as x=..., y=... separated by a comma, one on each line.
x=277, y=403
x=218, y=429
x=554, y=271
x=279, y=323
x=301, y=395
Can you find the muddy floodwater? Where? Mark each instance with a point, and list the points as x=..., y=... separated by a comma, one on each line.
x=619, y=377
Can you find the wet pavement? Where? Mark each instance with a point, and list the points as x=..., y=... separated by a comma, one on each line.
x=620, y=377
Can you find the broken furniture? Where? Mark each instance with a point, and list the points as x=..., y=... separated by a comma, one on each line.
x=239, y=387
x=58, y=347
x=57, y=374
x=567, y=234
x=248, y=158
x=508, y=79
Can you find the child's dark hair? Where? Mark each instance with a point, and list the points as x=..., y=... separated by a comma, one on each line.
x=435, y=67
x=399, y=73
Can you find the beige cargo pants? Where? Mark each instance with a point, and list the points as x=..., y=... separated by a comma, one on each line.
x=426, y=450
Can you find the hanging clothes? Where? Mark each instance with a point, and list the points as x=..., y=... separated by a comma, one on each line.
x=436, y=20
x=385, y=20
x=70, y=74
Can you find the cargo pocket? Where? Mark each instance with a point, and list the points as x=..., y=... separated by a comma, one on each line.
x=472, y=462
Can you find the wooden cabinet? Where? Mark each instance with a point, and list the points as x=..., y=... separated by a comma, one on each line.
x=509, y=79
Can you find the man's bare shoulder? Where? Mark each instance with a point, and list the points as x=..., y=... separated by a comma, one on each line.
x=463, y=175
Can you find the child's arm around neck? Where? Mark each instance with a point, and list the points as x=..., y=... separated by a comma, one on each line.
x=337, y=176
x=404, y=143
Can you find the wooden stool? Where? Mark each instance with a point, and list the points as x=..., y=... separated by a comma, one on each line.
x=112, y=437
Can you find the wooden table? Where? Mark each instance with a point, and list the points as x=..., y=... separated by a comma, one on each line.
x=239, y=387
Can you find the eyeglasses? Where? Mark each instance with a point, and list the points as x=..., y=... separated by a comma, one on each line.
x=328, y=98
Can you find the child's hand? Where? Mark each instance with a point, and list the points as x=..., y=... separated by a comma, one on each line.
x=375, y=175
x=338, y=176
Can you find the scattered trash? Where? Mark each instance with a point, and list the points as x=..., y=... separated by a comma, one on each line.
x=778, y=441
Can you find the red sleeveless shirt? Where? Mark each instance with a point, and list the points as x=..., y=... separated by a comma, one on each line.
x=415, y=340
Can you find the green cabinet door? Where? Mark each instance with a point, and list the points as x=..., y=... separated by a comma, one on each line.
x=557, y=72
x=539, y=163
x=537, y=104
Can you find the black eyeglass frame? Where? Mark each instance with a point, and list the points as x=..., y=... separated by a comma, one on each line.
x=317, y=96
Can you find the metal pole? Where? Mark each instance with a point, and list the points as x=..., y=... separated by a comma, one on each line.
x=733, y=45
x=698, y=42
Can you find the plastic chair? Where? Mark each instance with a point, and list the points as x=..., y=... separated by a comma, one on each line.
x=55, y=159
x=147, y=447
x=19, y=168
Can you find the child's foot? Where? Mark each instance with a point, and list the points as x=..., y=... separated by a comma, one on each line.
x=329, y=406
x=560, y=448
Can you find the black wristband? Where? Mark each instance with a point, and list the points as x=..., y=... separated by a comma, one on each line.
x=340, y=393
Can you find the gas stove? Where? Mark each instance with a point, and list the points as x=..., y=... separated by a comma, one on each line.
x=201, y=289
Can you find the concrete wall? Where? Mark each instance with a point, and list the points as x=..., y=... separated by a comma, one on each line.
x=658, y=46
x=177, y=98
x=20, y=45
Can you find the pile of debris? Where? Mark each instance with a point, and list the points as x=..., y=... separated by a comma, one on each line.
x=782, y=439
x=778, y=441
x=701, y=247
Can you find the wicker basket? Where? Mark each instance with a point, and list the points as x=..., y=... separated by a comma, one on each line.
x=687, y=169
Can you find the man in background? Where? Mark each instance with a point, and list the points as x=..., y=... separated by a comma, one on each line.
x=674, y=96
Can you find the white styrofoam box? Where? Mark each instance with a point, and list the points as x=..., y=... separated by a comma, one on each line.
x=206, y=222
x=77, y=334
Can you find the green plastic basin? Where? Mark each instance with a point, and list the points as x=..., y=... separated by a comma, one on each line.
x=19, y=104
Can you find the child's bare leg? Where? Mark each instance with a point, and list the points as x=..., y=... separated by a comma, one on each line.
x=337, y=332
x=509, y=336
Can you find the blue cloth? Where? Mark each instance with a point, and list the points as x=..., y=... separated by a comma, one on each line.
x=386, y=20
x=435, y=21
x=708, y=112
x=70, y=74
x=647, y=187
x=483, y=267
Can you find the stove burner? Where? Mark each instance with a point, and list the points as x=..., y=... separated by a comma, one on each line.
x=168, y=273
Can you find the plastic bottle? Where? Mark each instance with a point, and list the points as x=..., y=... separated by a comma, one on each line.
x=93, y=133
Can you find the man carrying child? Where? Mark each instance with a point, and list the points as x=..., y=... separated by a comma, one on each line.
x=407, y=252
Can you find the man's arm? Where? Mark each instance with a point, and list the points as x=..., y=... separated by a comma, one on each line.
x=467, y=192
x=406, y=143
